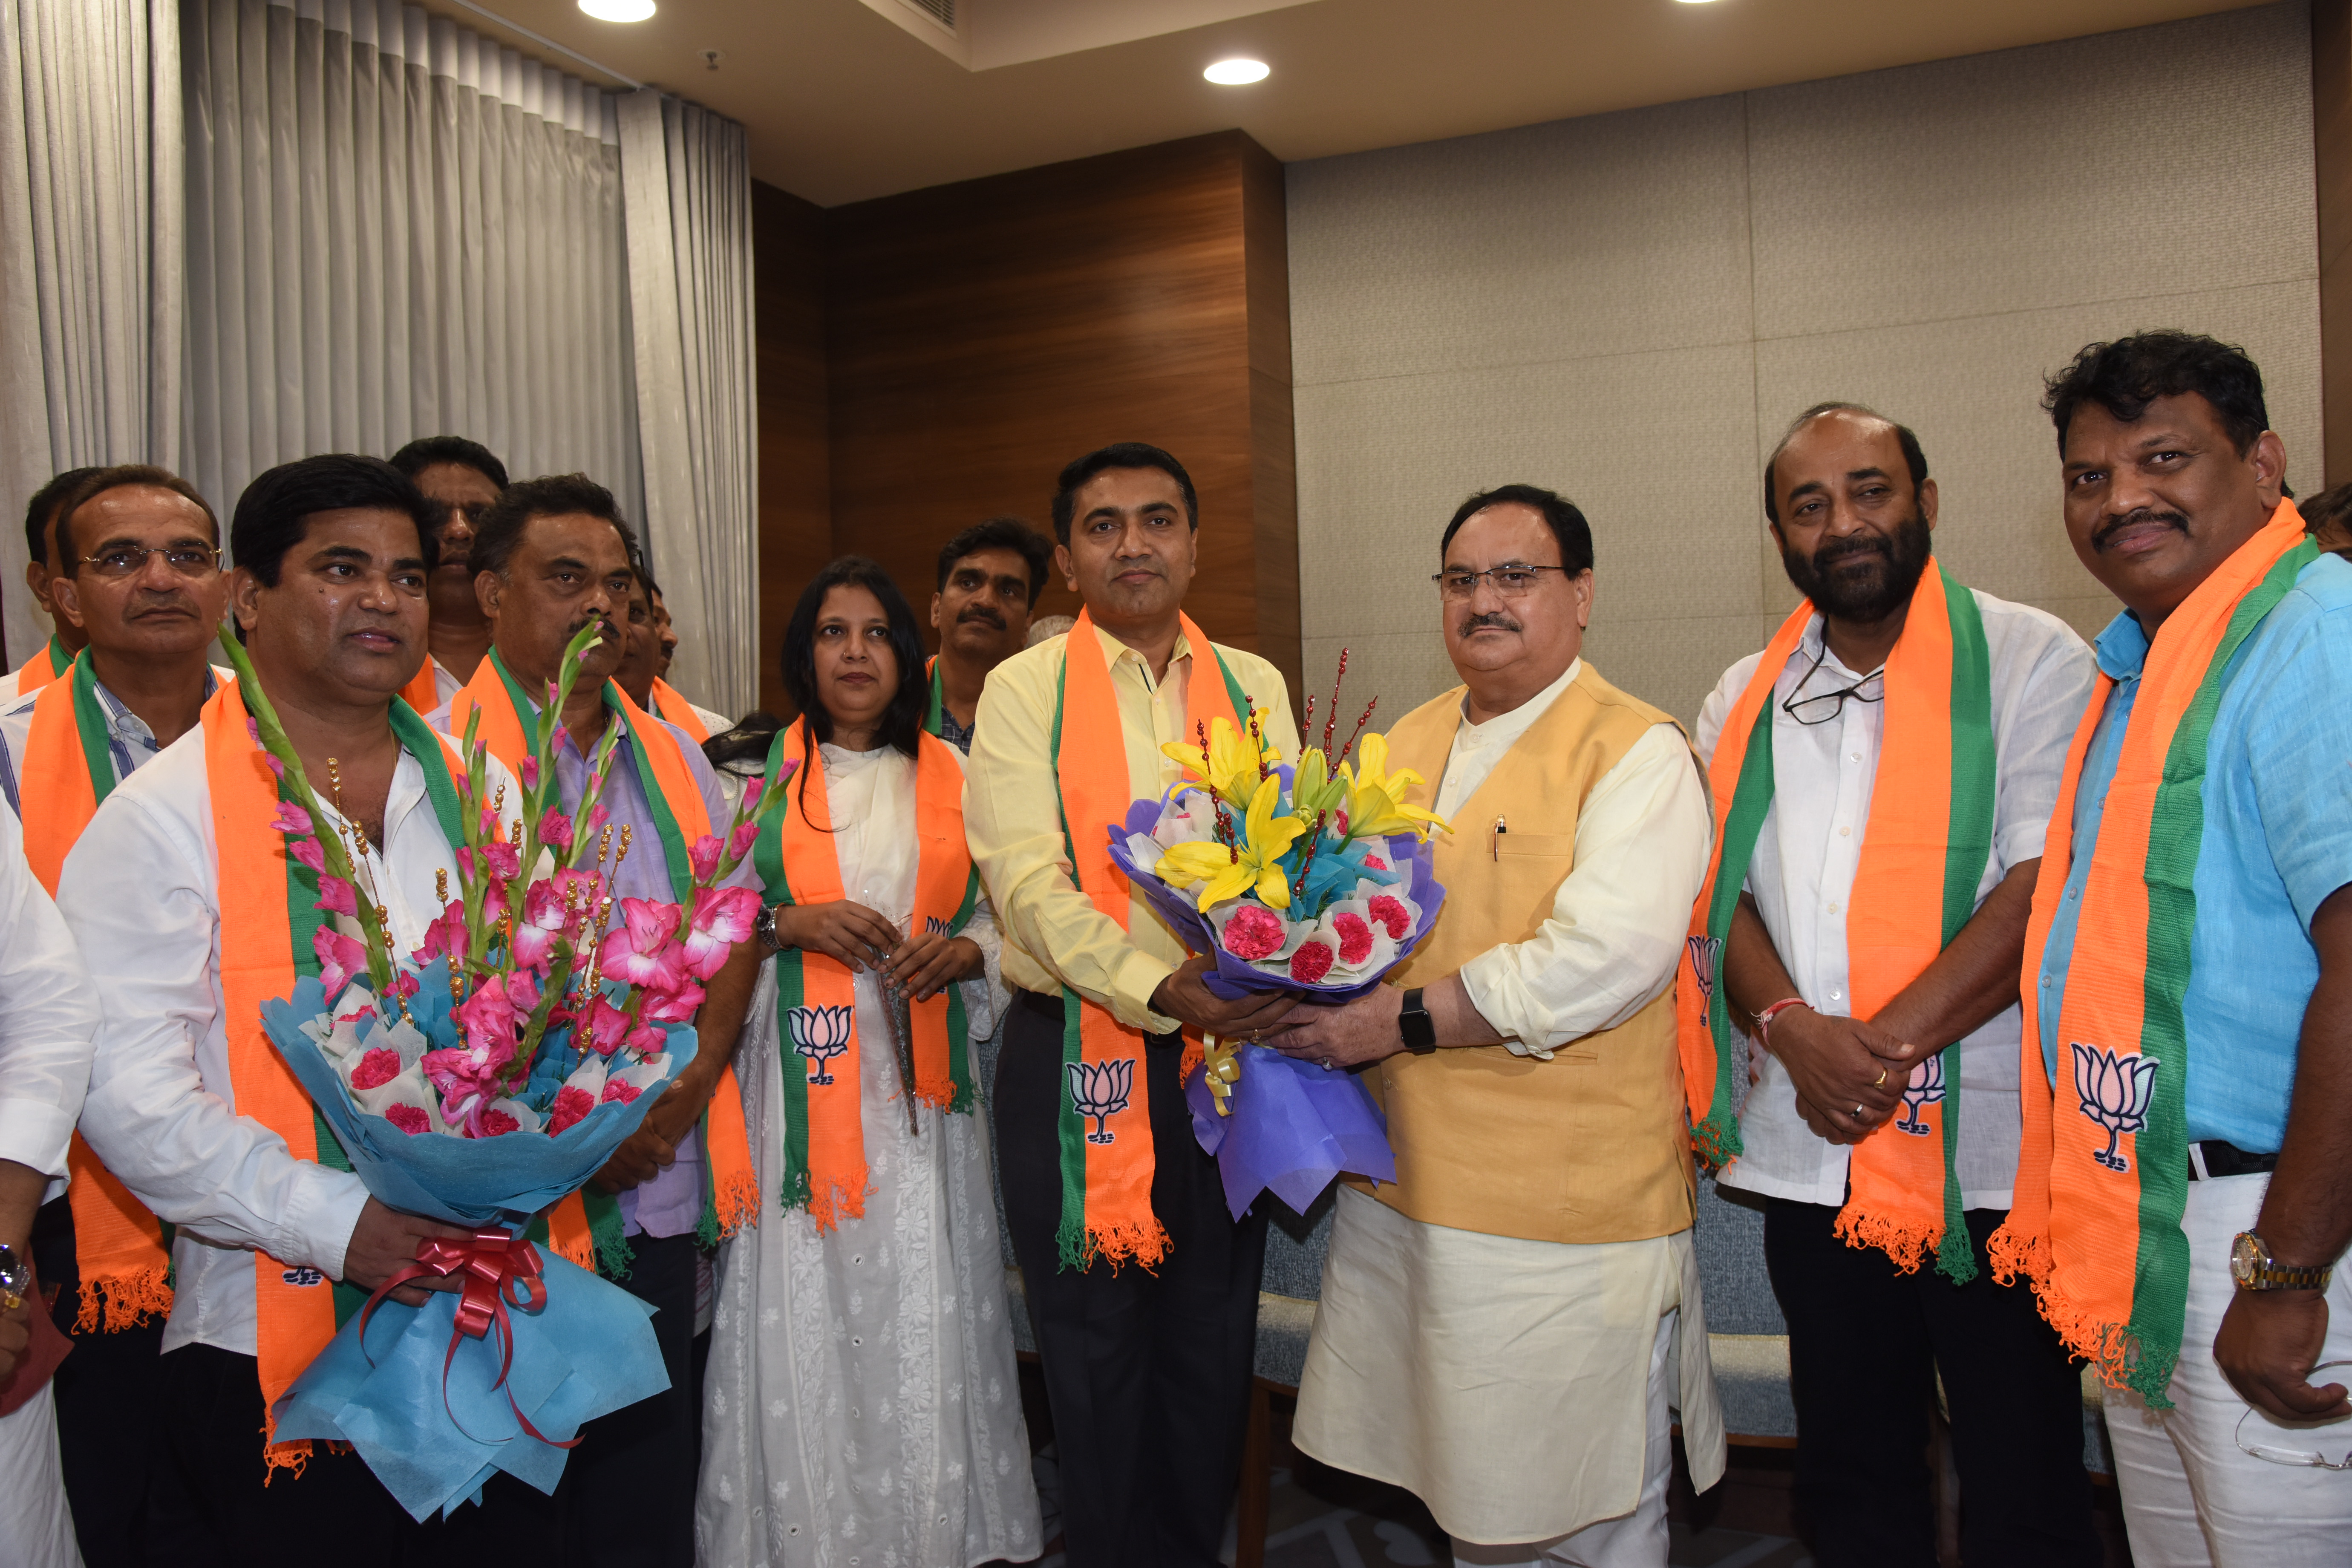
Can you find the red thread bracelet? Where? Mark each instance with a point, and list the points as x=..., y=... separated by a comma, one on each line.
x=1764, y=1019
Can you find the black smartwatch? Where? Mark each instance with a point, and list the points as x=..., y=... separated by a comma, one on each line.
x=1415, y=1023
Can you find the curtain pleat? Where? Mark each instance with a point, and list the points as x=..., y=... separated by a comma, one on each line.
x=396, y=229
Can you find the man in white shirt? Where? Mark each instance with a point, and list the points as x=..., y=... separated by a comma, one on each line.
x=329, y=593
x=1852, y=507
x=48, y=1013
x=461, y=478
x=1504, y=1328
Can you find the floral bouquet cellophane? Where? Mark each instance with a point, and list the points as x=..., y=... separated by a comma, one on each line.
x=1315, y=879
x=481, y=1083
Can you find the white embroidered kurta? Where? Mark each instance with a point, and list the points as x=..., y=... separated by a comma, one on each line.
x=861, y=1405
x=1510, y=1383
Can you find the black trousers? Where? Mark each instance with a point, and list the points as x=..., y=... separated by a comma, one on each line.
x=631, y=1482
x=109, y=1393
x=1864, y=1344
x=209, y=1506
x=1147, y=1370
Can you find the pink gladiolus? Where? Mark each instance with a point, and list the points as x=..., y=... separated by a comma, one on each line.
x=339, y=958
x=308, y=852
x=572, y=1104
x=489, y=1017
x=622, y=1093
x=530, y=773
x=504, y=860
x=522, y=992
x=722, y=917
x=556, y=829
x=597, y=817
x=489, y=830
x=291, y=818
x=403, y=985
x=276, y=766
x=609, y=1031
x=335, y=894
x=639, y=950
x=446, y=937
x=740, y=842
x=253, y=728
x=677, y=1006
x=409, y=1118
x=703, y=856
x=543, y=921
x=376, y=1068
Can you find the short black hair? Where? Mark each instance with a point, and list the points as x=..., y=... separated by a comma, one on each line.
x=1568, y=524
x=1915, y=457
x=426, y=450
x=1001, y=533
x=902, y=721
x=98, y=481
x=43, y=506
x=2127, y=376
x=501, y=527
x=274, y=509
x=1118, y=455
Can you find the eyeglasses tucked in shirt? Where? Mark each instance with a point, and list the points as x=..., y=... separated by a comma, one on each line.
x=1823, y=706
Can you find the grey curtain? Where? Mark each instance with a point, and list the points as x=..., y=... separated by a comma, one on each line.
x=397, y=228
x=688, y=181
x=91, y=214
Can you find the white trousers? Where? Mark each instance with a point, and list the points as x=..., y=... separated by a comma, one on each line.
x=1635, y=1540
x=2192, y=1497
x=35, y=1526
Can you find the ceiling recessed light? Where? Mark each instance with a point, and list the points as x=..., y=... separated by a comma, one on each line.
x=1227, y=73
x=618, y=10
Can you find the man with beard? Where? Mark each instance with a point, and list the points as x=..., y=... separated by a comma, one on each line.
x=461, y=478
x=1869, y=937
x=991, y=575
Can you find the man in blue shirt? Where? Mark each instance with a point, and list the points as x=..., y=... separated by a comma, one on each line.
x=2171, y=470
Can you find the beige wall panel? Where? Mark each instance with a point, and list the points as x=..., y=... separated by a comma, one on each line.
x=2154, y=161
x=1972, y=389
x=1402, y=668
x=1654, y=447
x=1615, y=234
x=1673, y=663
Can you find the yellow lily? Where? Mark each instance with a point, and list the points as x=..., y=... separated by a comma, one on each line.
x=1376, y=797
x=1231, y=769
x=1225, y=871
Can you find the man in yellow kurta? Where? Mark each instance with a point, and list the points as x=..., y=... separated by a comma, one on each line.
x=1505, y=1328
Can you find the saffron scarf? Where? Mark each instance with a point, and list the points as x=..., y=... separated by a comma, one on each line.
x=587, y=1228
x=122, y=1250
x=49, y=664
x=2102, y=1165
x=423, y=692
x=1930, y=826
x=1104, y=1134
x=670, y=705
x=268, y=918
x=824, y=1169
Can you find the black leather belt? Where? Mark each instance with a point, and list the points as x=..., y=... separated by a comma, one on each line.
x=1037, y=1002
x=2214, y=1158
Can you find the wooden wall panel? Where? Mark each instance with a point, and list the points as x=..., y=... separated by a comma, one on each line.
x=795, y=459
x=980, y=335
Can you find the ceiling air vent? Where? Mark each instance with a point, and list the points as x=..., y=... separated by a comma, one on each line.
x=944, y=11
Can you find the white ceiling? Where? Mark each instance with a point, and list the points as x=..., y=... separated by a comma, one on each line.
x=845, y=101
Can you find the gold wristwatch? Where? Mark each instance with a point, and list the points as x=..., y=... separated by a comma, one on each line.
x=2251, y=1267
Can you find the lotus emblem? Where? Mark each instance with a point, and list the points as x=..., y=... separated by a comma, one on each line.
x=1703, y=951
x=1926, y=1087
x=1100, y=1090
x=819, y=1034
x=2115, y=1092
x=934, y=926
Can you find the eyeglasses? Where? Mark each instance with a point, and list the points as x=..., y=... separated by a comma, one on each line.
x=1512, y=579
x=1824, y=706
x=125, y=560
x=2303, y=1458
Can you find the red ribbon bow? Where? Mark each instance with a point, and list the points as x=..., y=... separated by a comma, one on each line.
x=500, y=1270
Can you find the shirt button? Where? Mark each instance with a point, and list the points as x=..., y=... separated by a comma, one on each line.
x=1857, y=756
x=1845, y=832
x=1835, y=994
x=1833, y=908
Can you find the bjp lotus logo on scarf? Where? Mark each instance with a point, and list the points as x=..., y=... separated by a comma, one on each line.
x=1100, y=1090
x=1926, y=1087
x=2114, y=1091
x=819, y=1034
x=1703, y=951
x=934, y=926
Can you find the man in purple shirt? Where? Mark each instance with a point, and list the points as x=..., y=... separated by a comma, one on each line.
x=551, y=556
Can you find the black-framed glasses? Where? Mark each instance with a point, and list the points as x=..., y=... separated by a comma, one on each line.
x=1824, y=706
x=189, y=560
x=1512, y=579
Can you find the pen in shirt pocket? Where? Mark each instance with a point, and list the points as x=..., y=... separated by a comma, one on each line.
x=1501, y=827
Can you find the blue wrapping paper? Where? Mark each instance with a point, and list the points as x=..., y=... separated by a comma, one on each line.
x=587, y=1350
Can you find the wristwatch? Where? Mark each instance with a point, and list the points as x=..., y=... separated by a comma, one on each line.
x=1415, y=1023
x=764, y=928
x=15, y=1278
x=2251, y=1267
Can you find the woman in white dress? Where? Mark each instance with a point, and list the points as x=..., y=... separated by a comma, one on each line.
x=862, y=1406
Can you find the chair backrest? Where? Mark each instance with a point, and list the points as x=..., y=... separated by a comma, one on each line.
x=1733, y=1283
x=1294, y=1246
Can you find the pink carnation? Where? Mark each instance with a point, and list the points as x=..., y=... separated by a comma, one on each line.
x=1389, y=913
x=1253, y=932
x=409, y=1118
x=1375, y=863
x=376, y=1068
x=615, y=1090
x=495, y=1122
x=572, y=1104
x=1311, y=963
x=1355, y=938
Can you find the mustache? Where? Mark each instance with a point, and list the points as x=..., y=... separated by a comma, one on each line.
x=1830, y=554
x=606, y=627
x=1495, y=618
x=981, y=613
x=2138, y=515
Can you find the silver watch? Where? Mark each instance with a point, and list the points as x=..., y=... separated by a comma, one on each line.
x=15, y=1278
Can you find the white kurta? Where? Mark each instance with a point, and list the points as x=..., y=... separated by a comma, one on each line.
x=1510, y=1383
x=862, y=1404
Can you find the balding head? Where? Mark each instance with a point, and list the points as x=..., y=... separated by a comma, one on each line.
x=1850, y=414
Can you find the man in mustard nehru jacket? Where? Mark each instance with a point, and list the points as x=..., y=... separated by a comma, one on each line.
x=1503, y=1327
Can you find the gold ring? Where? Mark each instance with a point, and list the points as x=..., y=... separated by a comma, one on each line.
x=1881, y=1081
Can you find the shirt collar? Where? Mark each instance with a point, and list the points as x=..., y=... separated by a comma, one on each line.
x=2122, y=648
x=1511, y=725
x=1113, y=652
x=122, y=722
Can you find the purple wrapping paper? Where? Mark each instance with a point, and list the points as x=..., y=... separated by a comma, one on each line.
x=1294, y=1127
